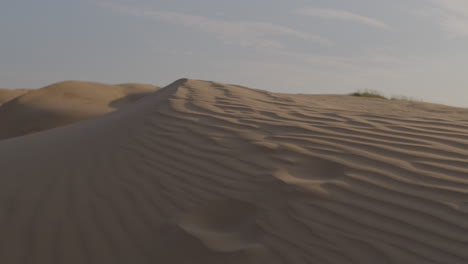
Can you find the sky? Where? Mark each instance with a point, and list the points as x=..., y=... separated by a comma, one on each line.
x=415, y=48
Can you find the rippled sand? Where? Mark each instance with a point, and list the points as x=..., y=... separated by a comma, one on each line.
x=202, y=172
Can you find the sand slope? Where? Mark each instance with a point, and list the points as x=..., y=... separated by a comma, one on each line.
x=202, y=172
x=65, y=103
x=9, y=94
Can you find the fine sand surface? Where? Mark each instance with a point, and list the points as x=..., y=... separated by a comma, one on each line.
x=9, y=94
x=62, y=104
x=202, y=172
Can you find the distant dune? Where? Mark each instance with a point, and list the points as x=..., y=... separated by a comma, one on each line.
x=9, y=94
x=64, y=103
x=207, y=173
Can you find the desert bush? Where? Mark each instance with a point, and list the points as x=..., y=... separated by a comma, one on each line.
x=369, y=94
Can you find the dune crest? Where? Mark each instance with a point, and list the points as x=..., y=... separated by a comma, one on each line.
x=64, y=103
x=9, y=94
x=203, y=172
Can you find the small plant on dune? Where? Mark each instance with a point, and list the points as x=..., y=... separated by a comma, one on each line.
x=405, y=98
x=369, y=94
x=377, y=94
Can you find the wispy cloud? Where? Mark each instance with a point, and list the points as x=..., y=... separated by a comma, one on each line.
x=244, y=33
x=456, y=6
x=261, y=35
x=342, y=15
x=452, y=15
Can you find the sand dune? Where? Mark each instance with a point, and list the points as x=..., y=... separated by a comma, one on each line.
x=202, y=172
x=9, y=94
x=64, y=103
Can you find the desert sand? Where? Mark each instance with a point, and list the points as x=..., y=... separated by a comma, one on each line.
x=62, y=104
x=9, y=94
x=203, y=172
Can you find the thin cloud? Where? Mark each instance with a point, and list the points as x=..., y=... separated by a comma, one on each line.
x=244, y=33
x=256, y=34
x=459, y=7
x=452, y=15
x=342, y=15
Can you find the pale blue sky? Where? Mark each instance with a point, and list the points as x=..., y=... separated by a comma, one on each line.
x=416, y=48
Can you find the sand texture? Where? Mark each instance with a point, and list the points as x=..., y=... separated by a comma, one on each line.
x=9, y=94
x=64, y=103
x=202, y=172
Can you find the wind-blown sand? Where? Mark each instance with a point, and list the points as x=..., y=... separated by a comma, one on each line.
x=202, y=172
x=64, y=103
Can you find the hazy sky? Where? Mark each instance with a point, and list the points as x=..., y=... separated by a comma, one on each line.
x=400, y=47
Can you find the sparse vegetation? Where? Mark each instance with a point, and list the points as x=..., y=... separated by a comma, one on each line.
x=377, y=94
x=369, y=94
x=405, y=98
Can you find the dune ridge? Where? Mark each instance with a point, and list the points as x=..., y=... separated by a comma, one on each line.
x=64, y=103
x=203, y=172
x=9, y=94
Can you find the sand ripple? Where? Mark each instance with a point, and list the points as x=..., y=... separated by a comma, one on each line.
x=202, y=172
